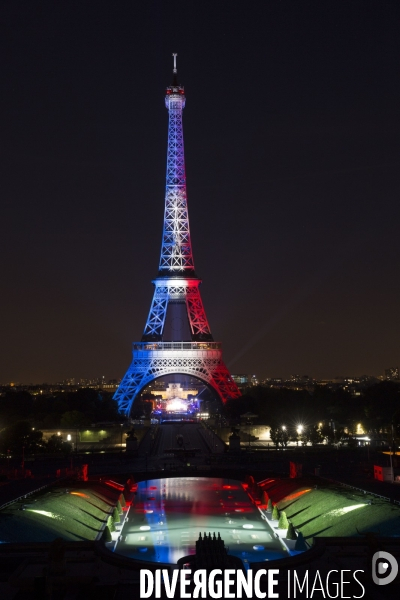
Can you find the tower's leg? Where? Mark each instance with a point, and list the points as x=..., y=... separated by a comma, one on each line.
x=224, y=383
x=156, y=319
x=135, y=379
x=185, y=290
x=197, y=315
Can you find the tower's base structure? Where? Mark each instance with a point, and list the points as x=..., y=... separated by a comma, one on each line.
x=177, y=338
x=151, y=360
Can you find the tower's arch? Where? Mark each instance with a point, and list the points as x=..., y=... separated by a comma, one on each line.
x=151, y=361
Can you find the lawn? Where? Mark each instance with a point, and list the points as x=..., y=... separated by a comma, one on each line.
x=73, y=512
x=332, y=510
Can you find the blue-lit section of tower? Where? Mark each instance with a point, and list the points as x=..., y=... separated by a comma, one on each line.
x=177, y=337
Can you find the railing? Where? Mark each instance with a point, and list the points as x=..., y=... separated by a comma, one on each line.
x=27, y=494
x=177, y=346
x=353, y=487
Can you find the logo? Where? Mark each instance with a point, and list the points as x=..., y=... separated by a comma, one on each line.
x=384, y=568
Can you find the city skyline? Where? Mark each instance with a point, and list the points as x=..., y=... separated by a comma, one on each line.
x=251, y=378
x=292, y=148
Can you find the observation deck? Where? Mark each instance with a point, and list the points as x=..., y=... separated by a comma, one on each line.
x=177, y=345
x=178, y=350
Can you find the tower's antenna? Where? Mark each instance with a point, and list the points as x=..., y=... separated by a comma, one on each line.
x=175, y=69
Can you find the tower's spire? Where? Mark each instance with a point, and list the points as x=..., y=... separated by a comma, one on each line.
x=176, y=250
x=175, y=71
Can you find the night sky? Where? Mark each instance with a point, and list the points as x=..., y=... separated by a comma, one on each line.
x=292, y=143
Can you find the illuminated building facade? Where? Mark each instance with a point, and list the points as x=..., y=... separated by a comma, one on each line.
x=241, y=379
x=177, y=337
x=392, y=374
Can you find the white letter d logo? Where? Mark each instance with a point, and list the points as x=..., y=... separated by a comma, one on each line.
x=381, y=561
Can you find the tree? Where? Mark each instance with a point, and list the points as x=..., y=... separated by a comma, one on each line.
x=279, y=436
x=20, y=436
x=291, y=533
x=74, y=419
x=96, y=405
x=269, y=507
x=283, y=522
x=264, y=498
x=142, y=407
x=275, y=513
x=328, y=433
x=47, y=410
x=233, y=407
x=381, y=404
x=313, y=435
x=300, y=544
x=334, y=403
x=110, y=523
x=115, y=515
x=56, y=444
x=15, y=406
x=106, y=536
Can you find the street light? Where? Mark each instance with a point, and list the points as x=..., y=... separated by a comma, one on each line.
x=283, y=437
x=299, y=431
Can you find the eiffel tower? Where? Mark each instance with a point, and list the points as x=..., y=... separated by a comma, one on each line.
x=177, y=337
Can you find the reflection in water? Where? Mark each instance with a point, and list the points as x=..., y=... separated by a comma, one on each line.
x=173, y=512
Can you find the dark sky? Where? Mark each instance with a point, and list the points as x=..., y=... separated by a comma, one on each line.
x=292, y=141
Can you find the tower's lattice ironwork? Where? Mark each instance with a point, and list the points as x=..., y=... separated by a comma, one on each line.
x=189, y=349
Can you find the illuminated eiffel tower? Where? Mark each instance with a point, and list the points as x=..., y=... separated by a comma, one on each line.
x=177, y=337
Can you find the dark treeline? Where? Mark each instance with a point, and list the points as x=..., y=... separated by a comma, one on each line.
x=67, y=409
x=377, y=407
x=23, y=416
